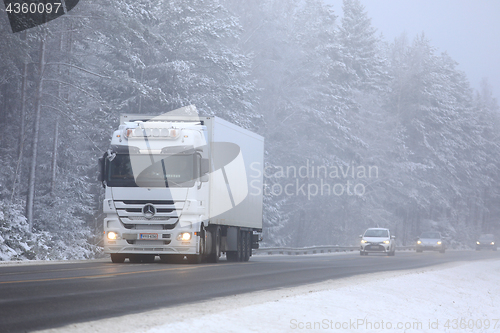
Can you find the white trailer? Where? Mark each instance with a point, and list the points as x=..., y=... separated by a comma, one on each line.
x=181, y=186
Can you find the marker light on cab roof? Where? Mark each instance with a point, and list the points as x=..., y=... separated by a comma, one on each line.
x=139, y=132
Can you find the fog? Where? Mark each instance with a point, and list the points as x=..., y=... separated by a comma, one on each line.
x=360, y=130
x=467, y=30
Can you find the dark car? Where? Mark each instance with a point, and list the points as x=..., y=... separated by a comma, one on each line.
x=430, y=240
x=486, y=241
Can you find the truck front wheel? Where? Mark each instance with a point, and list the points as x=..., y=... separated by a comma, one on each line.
x=215, y=251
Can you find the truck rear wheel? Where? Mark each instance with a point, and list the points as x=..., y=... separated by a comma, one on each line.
x=241, y=249
x=243, y=246
x=234, y=256
x=247, y=245
x=117, y=258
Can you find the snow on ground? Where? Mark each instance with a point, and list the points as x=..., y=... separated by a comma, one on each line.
x=51, y=262
x=458, y=297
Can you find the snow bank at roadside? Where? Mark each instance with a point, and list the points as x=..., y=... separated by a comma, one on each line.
x=434, y=299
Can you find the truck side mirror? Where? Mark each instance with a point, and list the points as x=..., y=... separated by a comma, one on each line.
x=393, y=237
x=205, y=166
x=100, y=176
x=204, y=169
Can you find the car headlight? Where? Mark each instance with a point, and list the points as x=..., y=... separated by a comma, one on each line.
x=478, y=243
x=363, y=241
x=184, y=236
x=439, y=243
x=492, y=243
x=112, y=235
x=419, y=242
x=386, y=242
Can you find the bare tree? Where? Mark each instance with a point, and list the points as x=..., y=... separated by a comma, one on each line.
x=34, y=149
x=24, y=86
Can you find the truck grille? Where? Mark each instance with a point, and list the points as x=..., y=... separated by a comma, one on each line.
x=143, y=202
x=143, y=226
x=131, y=213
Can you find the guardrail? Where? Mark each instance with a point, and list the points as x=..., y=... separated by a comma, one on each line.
x=315, y=249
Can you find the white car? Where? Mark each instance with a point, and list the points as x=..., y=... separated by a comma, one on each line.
x=377, y=240
x=430, y=241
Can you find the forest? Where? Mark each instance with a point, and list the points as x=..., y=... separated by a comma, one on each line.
x=394, y=124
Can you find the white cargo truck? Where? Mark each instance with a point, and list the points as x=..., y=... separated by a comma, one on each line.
x=182, y=187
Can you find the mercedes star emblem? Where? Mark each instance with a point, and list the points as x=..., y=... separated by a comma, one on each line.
x=149, y=211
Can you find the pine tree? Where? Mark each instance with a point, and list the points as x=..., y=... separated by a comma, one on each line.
x=198, y=62
x=360, y=48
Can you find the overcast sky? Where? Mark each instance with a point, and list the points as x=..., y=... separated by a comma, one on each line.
x=469, y=30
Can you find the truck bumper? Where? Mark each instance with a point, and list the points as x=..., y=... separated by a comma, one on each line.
x=152, y=247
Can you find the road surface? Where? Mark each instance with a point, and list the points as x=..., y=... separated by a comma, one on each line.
x=52, y=295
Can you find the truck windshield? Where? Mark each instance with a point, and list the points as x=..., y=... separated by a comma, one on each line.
x=151, y=171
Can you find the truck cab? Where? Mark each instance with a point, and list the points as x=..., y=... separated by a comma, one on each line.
x=167, y=181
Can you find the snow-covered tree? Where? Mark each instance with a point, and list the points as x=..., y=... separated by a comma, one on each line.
x=360, y=48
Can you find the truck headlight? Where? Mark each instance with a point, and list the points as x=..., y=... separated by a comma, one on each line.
x=419, y=242
x=184, y=236
x=112, y=235
x=439, y=243
x=478, y=243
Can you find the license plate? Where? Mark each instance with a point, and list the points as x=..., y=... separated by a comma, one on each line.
x=148, y=236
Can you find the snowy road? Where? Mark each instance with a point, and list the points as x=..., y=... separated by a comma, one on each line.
x=459, y=297
x=44, y=296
